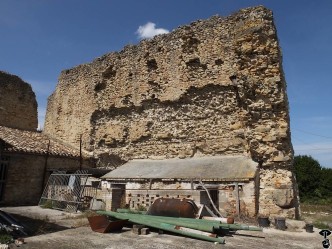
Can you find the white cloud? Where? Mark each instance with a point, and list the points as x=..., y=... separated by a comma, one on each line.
x=149, y=30
x=41, y=117
x=320, y=151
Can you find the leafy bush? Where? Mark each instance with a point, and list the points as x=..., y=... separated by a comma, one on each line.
x=47, y=204
x=314, y=181
x=5, y=238
x=141, y=208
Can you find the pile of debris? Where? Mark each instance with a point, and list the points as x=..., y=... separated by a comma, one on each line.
x=178, y=221
x=11, y=229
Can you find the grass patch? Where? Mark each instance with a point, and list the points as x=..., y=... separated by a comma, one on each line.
x=318, y=214
x=141, y=208
x=322, y=225
x=5, y=238
x=47, y=204
x=308, y=207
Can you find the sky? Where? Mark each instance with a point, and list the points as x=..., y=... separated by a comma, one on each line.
x=41, y=38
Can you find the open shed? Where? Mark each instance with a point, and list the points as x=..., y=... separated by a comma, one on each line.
x=230, y=180
x=27, y=158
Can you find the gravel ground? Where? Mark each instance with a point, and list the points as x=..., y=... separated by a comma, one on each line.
x=71, y=232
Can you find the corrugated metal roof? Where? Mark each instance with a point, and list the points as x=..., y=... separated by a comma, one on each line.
x=226, y=168
x=34, y=142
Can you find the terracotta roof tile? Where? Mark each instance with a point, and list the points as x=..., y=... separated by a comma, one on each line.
x=34, y=142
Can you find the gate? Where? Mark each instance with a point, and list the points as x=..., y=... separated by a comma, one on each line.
x=64, y=191
x=4, y=162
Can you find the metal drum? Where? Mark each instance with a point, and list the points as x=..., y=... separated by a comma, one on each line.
x=173, y=207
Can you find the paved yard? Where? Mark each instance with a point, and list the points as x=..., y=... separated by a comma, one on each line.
x=71, y=232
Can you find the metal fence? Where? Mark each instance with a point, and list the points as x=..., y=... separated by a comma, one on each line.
x=67, y=192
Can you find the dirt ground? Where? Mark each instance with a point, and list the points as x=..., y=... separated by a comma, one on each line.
x=59, y=230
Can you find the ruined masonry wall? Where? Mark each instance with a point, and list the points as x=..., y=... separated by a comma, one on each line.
x=18, y=105
x=213, y=87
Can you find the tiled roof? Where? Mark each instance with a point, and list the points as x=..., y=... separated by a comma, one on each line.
x=34, y=142
x=221, y=168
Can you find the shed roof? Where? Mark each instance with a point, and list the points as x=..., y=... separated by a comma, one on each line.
x=222, y=168
x=34, y=142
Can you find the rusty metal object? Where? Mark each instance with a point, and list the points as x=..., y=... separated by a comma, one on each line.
x=172, y=207
x=101, y=224
x=228, y=220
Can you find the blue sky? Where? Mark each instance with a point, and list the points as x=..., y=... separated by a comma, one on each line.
x=40, y=38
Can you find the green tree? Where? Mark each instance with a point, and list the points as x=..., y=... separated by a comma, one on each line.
x=326, y=183
x=309, y=177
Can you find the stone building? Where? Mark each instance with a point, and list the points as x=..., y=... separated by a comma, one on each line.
x=228, y=180
x=27, y=157
x=18, y=105
x=212, y=88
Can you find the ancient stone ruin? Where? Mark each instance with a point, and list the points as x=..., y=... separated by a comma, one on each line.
x=214, y=87
x=18, y=105
x=27, y=156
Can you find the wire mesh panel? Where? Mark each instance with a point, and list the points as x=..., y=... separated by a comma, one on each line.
x=64, y=191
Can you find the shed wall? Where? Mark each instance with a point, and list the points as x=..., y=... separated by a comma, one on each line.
x=25, y=175
x=139, y=195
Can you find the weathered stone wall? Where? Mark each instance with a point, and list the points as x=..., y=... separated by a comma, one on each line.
x=18, y=105
x=213, y=87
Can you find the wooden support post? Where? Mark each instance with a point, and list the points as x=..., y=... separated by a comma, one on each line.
x=150, y=184
x=237, y=198
x=45, y=166
x=81, y=152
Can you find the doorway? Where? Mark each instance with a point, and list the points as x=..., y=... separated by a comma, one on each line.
x=4, y=162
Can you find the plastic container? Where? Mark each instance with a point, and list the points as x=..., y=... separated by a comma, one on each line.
x=263, y=221
x=309, y=228
x=280, y=223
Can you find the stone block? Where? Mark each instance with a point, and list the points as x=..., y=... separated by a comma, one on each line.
x=145, y=231
x=295, y=224
x=283, y=197
x=137, y=229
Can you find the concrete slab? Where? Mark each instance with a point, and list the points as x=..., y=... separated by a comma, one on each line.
x=84, y=237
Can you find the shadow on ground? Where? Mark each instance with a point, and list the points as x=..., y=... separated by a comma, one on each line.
x=38, y=226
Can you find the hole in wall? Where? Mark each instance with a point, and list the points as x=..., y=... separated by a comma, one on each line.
x=190, y=44
x=219, y=62
x=152, y=65
x=195, y=63
x=109, y=73
x=100, y=86
x=127, y=99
